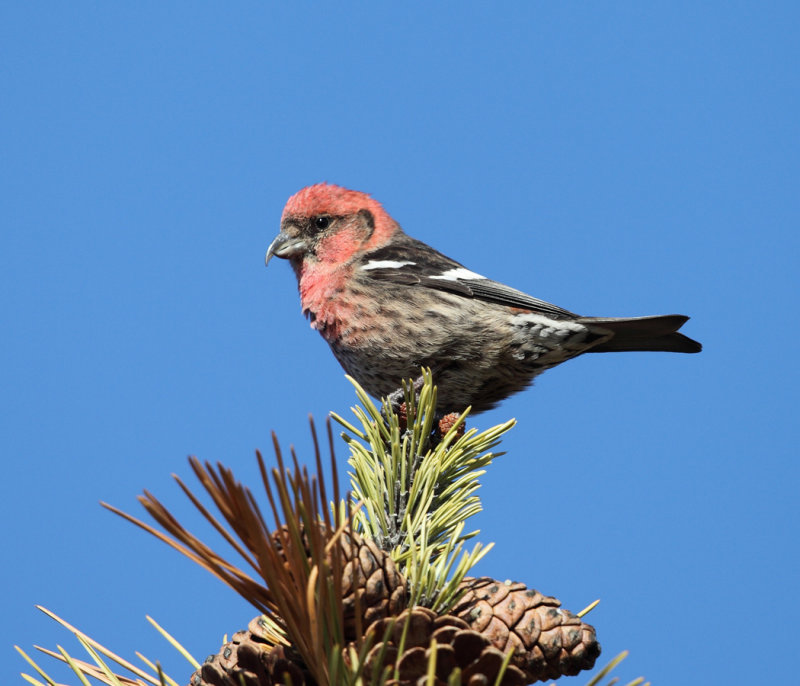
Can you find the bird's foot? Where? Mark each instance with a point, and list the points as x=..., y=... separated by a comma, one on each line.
x=397, y=399
x=442, y=421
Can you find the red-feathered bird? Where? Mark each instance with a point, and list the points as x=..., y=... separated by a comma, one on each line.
x=388, y=304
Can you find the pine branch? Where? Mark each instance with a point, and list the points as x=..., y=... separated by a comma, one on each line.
x=418, y=486
x=323, y=574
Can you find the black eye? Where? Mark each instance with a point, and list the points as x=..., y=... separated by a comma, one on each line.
x=322, y=222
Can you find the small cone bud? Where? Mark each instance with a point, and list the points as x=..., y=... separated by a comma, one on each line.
x=448, y=422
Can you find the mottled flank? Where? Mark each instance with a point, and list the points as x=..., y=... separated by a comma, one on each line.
x=388, y=304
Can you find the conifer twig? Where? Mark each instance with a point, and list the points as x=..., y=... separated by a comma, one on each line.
x=417, y=491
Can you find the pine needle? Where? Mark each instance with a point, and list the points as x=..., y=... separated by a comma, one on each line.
x=174, y=642
x=585, y=611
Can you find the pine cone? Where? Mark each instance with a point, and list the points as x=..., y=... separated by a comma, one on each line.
x=548, y=642
x=370, y=580
x=249, y=659
x=457, y=646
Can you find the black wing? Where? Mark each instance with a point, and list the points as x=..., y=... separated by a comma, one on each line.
x=413, y=263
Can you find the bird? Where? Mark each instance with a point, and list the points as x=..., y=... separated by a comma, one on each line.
x=389, y=305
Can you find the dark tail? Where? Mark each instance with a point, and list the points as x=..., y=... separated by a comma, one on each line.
x=643, y=333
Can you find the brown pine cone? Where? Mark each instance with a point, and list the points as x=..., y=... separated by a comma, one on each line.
x=249, y=659
x=548, y=642
x=457, y=646
x=370, y=580
x=369, y=576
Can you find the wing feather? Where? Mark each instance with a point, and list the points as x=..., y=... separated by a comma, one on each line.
x=420, y=265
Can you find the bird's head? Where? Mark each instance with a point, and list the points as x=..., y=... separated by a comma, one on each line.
x=330, y=224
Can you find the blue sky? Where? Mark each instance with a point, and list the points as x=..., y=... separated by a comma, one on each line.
x=614, y=158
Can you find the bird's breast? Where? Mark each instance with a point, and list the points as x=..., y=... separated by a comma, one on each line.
x=321, y=298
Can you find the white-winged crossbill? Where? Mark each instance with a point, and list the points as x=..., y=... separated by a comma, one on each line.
x=388, y=304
